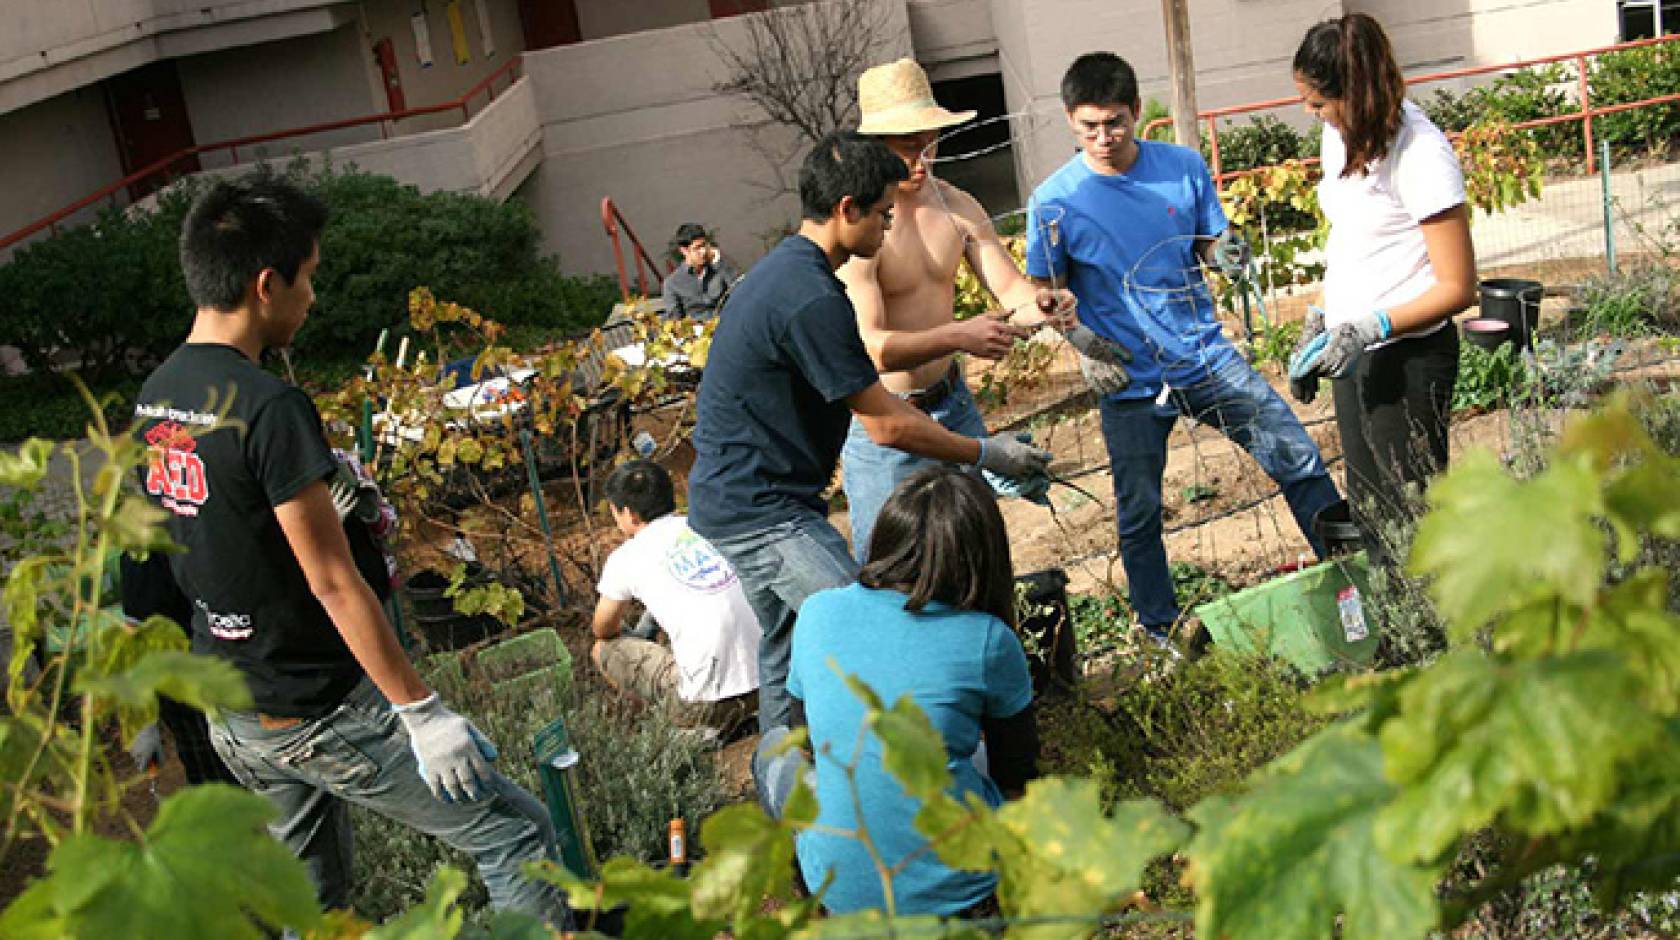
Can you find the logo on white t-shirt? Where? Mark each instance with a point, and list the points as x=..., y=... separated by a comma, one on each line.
x=695, y=564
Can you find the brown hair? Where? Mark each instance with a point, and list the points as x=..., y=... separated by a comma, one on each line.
x=1350, y=60
x=940, y=537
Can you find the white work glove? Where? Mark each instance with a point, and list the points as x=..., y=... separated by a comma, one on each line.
x=1334, y=353
x=1101, y=360
x=454, y=756
x=1005, y=456
x=147, y=748
x=352, y=496
x=1059, y=306
x=1231, y=254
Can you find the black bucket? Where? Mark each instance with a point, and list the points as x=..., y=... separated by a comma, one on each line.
x=436, y=619
x=1336, y=530
x=1486, y=332
x=1047, y=630
x=1517, y=302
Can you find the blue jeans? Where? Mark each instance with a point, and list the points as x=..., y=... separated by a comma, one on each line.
x=872, y=472
x=1235, y=399
x=359, y=753
x=779, y=567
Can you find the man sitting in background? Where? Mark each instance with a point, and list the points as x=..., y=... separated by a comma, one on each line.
x=696, y=288
x=709, y=676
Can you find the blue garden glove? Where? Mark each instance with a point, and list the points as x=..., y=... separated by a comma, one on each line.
x=147, y=749
x=1231, y=255
x=1304, y=387
x=454, y=756
x=1034, y=487
x=1334, y=353
x=1101, y=360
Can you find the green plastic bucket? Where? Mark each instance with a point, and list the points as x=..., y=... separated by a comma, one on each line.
x=1313, y=619
x=556, y=758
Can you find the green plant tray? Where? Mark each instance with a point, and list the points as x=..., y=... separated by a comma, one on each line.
x=544, y=688
x=499, y=663
x=1298, y=617
x=444, y=670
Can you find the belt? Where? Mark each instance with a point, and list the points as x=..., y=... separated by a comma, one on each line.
x=934, y=395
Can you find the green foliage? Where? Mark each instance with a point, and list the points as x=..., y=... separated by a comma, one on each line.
x=1487, y=379
x=176, y=880
x=1502, y=167
x=1263, y=141
x=1522, y=95
x=1636, y=301
x=1274, y=344
x=1154, y=110
x=1276, y=209
x=113, y=289
x=1635, y=75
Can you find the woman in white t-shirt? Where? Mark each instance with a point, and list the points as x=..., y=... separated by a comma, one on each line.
x=1399, y=265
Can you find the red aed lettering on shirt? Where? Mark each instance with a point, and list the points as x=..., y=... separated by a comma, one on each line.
x=176, y=474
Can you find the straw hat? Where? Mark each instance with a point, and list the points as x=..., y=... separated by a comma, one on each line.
x=897, y=99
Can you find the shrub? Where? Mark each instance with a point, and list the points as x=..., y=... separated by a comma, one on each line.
x=1635, y=75
x=113, y=289
x=1264, y=141
x=1636, y=301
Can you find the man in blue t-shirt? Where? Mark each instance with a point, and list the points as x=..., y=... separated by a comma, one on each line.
x=1126, y=225
x=787, y=372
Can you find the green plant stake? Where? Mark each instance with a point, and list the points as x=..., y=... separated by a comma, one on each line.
x=555, y=759
x=542, y=516
x=1609, y=221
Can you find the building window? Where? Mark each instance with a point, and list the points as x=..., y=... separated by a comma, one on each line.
x=1644, y=19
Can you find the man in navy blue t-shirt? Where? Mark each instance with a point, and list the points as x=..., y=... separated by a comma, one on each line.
x=787, y=372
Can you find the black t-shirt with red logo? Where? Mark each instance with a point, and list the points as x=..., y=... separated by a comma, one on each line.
x=229, y=442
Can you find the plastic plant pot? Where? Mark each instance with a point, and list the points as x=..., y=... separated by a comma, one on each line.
x=1517, y=302
x=1314, y=619
x=1487, y=333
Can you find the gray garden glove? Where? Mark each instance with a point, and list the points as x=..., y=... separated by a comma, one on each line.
x=454, y=756
x=1334, y=353
x=1231, y=254
x=1305, y=388
x=1006, y=456
x=147, y=749
x=1101, y=360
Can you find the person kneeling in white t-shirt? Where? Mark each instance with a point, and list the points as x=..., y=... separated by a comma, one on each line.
x=709, y=676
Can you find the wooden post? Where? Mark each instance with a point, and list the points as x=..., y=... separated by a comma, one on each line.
x=1176, y=15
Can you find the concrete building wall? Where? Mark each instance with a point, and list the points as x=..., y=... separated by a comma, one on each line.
x=666, y=151
x=445, y=79
x=603, y=19
x=953, y=38
x=49, y=47
x=1436, y=35
x=56, y=152
x=291, y=83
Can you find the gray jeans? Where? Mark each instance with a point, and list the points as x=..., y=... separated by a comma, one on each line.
x=359, y=753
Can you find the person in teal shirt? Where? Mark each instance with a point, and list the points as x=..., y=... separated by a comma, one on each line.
x=930, y=616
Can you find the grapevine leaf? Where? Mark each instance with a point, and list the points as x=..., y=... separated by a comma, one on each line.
x=1632, y=620
x=117, y=645
x=204, y=682
x=1294, y=856
x=22, y=599
x=865, y=694
x=873, y=923
x=912, y=749
x=1074, y=858
x=137, y=526
x=436, y=917
x=801, y=806
x=1545, y=544
x=1634, y=840
x=25, y=469
x=1644, y=497
x=749, y=857
x=176, y=881
x=964, y=835
x=1537, y=744
x=517, y=925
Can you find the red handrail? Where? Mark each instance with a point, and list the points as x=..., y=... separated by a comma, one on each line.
x=1585, y=113
x=611, y=220
x=463, y=103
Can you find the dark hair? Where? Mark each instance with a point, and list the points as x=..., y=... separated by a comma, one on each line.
x=235, y=230
x=688, y=232
x=940, y=537
x=1349, y=59
x=846, y=163
x=1101, y=79
x=643, y=487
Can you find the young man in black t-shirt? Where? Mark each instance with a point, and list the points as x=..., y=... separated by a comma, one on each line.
x=787, y=372
x=239, y=462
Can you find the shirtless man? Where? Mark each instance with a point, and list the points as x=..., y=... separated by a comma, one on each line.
x=904, y=294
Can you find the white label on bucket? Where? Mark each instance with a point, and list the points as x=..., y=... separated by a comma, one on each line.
x=1353, y=615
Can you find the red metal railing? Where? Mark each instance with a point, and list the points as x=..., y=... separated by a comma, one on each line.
x=163, y=167
x=1584, y=113
x=612, y=220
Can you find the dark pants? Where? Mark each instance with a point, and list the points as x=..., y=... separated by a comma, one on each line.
x=1393, y=413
